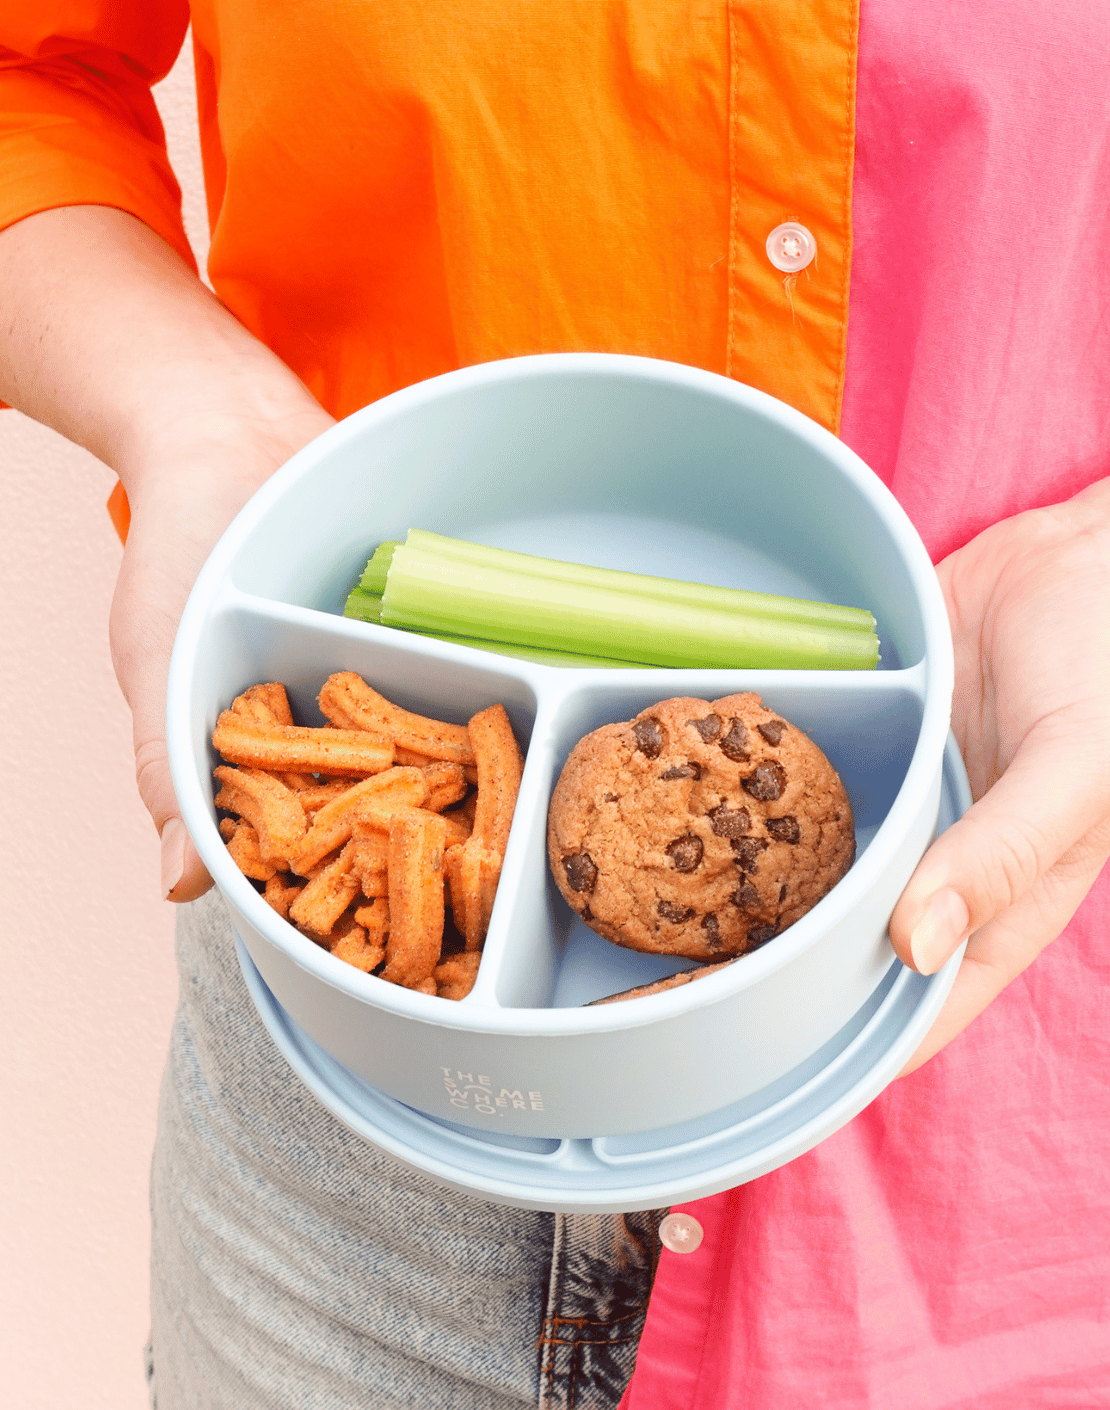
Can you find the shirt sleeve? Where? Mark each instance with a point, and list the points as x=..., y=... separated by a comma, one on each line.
x=78, y=124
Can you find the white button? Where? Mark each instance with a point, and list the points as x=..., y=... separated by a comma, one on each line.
x=790, y=247
x=681, y=1233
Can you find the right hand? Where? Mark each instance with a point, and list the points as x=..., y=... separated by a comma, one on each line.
x=191, y=479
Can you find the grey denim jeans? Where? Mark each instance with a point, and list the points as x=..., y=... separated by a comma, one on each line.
x=296, y=1267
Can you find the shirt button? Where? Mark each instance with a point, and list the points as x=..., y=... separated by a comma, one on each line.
x=790, y=247
x=681, y=1233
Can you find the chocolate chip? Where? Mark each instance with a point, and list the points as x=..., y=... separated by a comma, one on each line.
x=587, y=914
x=677, y=915
x=611, y=798
x=782, y=893
x=746, y=897
x=760, y=934
x=581, y=871
x=685, y=852
x=712, y=930
x=649, y=737
x=709, y=728
x=773, y=730
x=784, y=829
x=729, y=822
x=766, y=783
x=734, y=744
x=747, y=851
x=687, y=770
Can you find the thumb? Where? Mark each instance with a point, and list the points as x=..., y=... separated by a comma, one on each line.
x=1045, y=802
x=184, y=876
x=141, y=643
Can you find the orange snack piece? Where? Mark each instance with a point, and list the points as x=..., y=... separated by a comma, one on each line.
x=374, y=884
x=356, y=948
x=316, y=795
x=474, y=867
x=472, y=876
x=268, y=704
x=459, y=827
x=270, y=807
x=373, y=801
x=374, y=919
x=446, y=785
x=370, y=850
x=500, y=766
x=455, y=975
x=347, y=700
x=401, y=755
x=415, y=897
x=297, y=748
x=279, y=895
x=242, y=845
x=330, y=890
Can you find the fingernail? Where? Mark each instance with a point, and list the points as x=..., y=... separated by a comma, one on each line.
x=939, y=931
x=173, y=855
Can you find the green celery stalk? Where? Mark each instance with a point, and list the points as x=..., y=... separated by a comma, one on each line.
x=438, y=547
x=377, y=570
x=545, y=657
x=364, y=601
x=366, y=607
x=442, y=586
x=362, y=605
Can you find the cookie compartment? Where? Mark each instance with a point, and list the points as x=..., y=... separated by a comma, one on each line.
x=540, y=954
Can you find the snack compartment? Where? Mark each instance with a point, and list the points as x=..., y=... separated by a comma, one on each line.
x=248, y=640
x=253, y=639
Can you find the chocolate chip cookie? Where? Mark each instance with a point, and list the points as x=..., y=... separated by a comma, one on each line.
x=700, y=828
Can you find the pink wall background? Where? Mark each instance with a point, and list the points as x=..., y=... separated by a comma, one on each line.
x=87, y=981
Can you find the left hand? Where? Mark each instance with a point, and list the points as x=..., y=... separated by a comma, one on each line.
x=1029, y=604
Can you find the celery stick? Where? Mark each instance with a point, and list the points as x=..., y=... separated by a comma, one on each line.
x=442, y=586
x=534, y=653
x=366, y=607
x=670, y=590
x=375, y=573
x=364, y=601
x=362, y=605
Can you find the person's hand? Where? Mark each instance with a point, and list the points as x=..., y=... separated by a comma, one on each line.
x=109, y=337
x=182, y=498
x=1029, y=604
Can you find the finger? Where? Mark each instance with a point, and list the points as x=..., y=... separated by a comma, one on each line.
x=1008, y=945
x=184, y=876
x=149, y=596
x=1048, y=799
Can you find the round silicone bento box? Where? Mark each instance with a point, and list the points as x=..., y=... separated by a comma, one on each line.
x=622, y=462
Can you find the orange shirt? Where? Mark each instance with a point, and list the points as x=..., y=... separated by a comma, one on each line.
x=397, y=190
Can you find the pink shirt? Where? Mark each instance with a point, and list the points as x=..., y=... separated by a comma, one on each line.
x=951, y=1246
